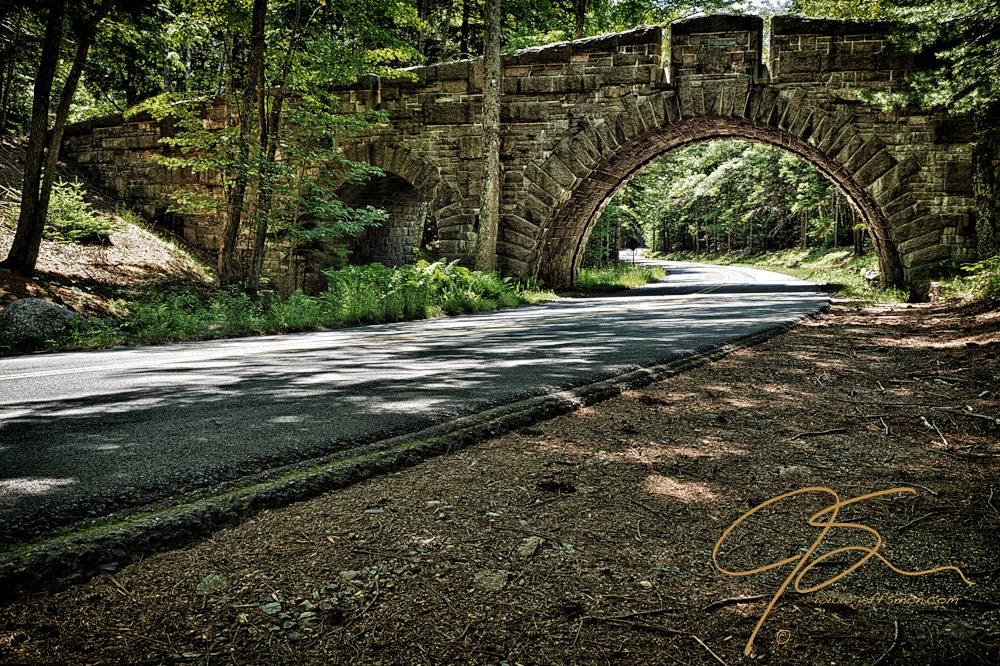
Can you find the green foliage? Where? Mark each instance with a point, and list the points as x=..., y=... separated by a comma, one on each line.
x=356, y=295
x=724, y=196
x=375, y=293
x=70, y=219
x=984, y=278
x=964, y=36
x=618, y=276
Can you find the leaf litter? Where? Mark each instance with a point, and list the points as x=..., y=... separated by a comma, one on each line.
x=588, y=539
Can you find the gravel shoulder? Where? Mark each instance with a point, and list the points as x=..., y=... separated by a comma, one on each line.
x=589, y=538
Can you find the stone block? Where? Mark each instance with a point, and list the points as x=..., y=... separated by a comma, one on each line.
x=560, y=172
x=863, y=154
x=523, y=112
x=523, y=227
x=874, y=169
x=448, y=113
x=470, y=148
x=614, y=76
x=534, y=85
x=785, y=26
x=798, y=62
x=958, y=177
x=559, y=52
x=458, y=69
x=716, y=23
x=509, y=235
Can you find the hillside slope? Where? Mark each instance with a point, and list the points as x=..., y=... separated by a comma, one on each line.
x=85, y=278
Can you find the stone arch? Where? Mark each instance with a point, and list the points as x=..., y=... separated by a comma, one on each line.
x=411, y=191
x=565, y=194
x=392, y=242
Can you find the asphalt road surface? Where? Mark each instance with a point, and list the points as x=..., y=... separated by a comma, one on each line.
x=84, y=434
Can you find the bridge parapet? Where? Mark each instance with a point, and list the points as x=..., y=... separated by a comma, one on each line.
x=718, y=45
x=840, y=54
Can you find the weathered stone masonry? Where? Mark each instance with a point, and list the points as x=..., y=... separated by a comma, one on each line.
x=579, y=119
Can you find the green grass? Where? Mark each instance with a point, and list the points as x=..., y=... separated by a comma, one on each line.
x=356, y=295
x=617, y=277
x=835, y=270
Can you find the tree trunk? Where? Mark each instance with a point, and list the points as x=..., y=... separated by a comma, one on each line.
x=269, y=133
x=8, y=75
x=986, y=183
x=463, y=45
x=489, y=205
x=24, y=251
x=836, y=218
x=229, y=266
x=62, y=113
x=580, y=14
x=803, y=239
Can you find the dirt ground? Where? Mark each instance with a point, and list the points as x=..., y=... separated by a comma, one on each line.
x=589, y=539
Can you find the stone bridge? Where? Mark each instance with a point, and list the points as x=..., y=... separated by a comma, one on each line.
x=579, y=119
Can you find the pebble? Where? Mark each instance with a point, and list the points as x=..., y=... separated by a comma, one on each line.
x=529, y=546
x=349, y=574
x=211, y=584
x=272, y=608
x=493, y=581
x=373, y=512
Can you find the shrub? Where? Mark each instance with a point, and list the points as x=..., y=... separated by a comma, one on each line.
x=985, y=278
x=71, y=220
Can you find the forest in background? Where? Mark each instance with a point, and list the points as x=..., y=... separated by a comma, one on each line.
x=727, y=196
x=62, y=61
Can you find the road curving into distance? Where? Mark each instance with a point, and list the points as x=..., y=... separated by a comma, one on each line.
x=86, y=434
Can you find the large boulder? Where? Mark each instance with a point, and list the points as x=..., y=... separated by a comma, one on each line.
x=32, y=321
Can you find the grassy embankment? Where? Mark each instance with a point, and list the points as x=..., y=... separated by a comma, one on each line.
x=356, y=295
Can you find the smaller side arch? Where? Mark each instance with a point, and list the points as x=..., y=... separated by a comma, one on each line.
x=413, y=192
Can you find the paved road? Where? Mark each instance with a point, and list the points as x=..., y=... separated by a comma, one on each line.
x=83, y=434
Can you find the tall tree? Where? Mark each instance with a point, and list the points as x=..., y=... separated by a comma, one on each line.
x=42, y=152
x=23, y=254
x=246, y=110
x=489, y=206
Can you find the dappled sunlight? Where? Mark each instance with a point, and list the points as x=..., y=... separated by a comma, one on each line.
x=644, y=455
x=310, y=395
x=688, y=492
x=291, y=418
x=31, y=486
x=688, y=452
